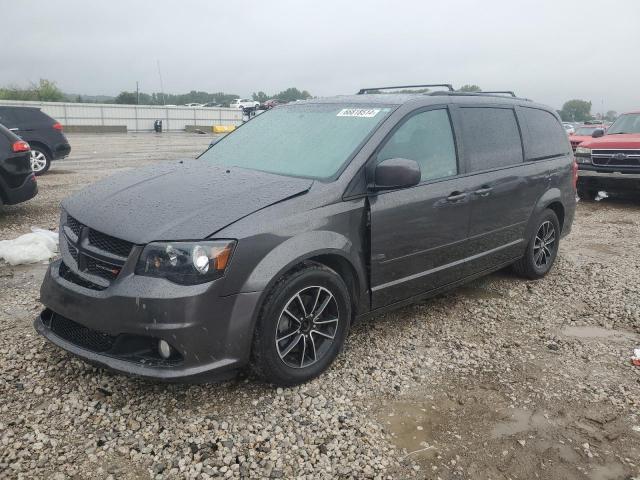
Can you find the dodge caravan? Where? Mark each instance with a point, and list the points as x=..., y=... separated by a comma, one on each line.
x=267, y=247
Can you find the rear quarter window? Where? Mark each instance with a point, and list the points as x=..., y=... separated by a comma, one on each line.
x=544, y=136
x=491, y=137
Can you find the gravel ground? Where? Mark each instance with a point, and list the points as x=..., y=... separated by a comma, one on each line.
x=501, y=379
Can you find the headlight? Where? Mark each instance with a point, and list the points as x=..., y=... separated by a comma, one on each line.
x=583, y=151
x=187, y=263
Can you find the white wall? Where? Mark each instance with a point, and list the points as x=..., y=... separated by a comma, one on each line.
x=135, y=117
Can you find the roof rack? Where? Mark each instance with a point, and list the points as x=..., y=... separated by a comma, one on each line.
x=499, y=92
x=481, y=94
x=363, y=91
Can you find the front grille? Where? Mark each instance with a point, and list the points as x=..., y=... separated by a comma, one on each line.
x=102, y=269
x=74, y=225
x=110, y=244
x=65, y=272
x=616, y=158
x=73, y=251
x=95, y=254
x=80, y=335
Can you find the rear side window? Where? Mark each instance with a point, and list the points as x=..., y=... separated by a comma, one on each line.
x=491, y=138
x=544, y=136
x=426, y=138
x=30, y=116
x=7, y=118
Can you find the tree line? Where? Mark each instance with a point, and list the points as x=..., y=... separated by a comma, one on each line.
x=575, y=110
x=47, y=91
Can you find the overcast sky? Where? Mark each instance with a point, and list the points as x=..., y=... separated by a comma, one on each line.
x=550, y=51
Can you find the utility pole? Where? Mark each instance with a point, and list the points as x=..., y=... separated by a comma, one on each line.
x=137, y=94
x=161, y=86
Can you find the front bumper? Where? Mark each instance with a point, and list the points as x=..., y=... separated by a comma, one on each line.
x=211, y=334
x=590, y=178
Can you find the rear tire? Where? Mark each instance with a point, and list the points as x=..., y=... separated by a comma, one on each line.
x=40, y=160
x=302, y=326
x=542, y=249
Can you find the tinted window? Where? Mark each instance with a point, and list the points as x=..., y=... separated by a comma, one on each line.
x=426, y=138
x=544, y=137
x=7, y=118
x=491, y=138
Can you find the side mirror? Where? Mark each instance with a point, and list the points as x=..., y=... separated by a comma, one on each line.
x=396, y=173
x=598, y=132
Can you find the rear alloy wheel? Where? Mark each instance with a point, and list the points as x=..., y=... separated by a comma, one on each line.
x=302, y=326
x=40, y=161
x=542, y=248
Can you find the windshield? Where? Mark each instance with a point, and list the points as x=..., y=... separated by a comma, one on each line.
x=309, y=140
x=585, y=130
x=629, y=123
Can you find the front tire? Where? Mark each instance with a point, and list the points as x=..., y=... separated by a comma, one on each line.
x=302, y=326
x=40, y=161
x=542, y=248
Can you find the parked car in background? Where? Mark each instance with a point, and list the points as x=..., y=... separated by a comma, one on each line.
x=582, y=133
x=273, y=102
x=193, y=105
x=43, y=133
x=212, y=104
x=17, y=181
x=244, y=103
x=569, y=128
x=611, y=160
x=249, y=255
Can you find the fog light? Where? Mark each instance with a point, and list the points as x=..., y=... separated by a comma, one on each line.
x=164, y=349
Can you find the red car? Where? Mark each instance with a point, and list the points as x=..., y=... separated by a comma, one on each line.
x=583, y=133
x=611, y=161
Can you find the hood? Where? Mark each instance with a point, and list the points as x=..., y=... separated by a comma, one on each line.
x=625, y=141
x=187, y=200
x=579, y=138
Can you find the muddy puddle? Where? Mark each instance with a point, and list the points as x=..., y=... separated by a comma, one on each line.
x=410, y=425
x=519, y=421
x=588, y=332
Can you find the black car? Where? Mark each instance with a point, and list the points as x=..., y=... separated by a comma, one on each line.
x=265, y=249
x=43, y=133
x=17, y=181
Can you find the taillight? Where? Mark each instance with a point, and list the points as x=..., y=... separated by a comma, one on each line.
x=574, y=169
x=20, y=146
x=57, y=126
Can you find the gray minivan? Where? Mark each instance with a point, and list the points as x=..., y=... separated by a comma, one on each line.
x=266, y=248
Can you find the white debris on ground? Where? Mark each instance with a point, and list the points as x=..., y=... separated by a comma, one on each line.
x=601, y=195
x=34, y=247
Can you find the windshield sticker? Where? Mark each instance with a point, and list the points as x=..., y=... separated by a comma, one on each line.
x=358, y=112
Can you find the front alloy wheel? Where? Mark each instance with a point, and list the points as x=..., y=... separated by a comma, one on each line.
x=307, y=327
x=39, y=161
x=302, y=325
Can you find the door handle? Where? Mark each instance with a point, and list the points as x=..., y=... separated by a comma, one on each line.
x=15, y=129
x=456, y=196
x=484, y=191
